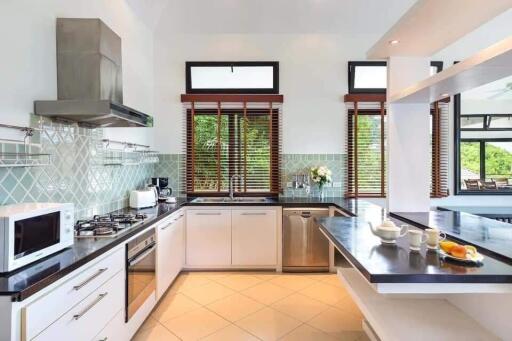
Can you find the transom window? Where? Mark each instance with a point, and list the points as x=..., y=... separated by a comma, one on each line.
x=232, y=77
x=371, y=76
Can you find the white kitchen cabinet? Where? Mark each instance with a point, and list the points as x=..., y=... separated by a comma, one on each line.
x=170, y=251
x=91, y=315
x=44, y=311
x=254, y=237
x=115, y=330
x=208, y=236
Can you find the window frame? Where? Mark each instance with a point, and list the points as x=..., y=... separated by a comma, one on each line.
x=352, y=74
x=352, y=169
x=190, y=90
x=275, y=165
x=457, y=154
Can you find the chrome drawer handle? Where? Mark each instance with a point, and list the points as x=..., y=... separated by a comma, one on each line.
x=166, y=226
x=213, y=213
x=81, y=285
x=254, y=213
x=90, y=306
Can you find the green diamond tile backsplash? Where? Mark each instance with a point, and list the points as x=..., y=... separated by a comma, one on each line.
x=172, y=166
x=301, y=164
x=75, y=174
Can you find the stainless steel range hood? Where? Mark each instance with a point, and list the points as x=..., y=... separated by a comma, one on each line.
x=89, y=78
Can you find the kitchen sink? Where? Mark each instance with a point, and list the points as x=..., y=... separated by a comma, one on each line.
x=223, y=200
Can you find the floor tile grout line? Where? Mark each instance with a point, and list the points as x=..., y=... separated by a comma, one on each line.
x=291, y=331
x=270, y=280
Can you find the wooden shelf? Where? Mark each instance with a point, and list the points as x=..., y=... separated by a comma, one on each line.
x=488, y=65
x=406, y=318
x=434, y=23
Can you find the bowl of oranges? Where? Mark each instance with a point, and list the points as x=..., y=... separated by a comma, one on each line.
x=461, y=253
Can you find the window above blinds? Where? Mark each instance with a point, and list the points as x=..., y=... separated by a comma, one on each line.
x=231, y=135
x=371, y=76
x=255, y=77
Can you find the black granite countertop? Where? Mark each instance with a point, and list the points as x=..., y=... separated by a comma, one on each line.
x=490, y=236
x=396, y=264
x=28, y=280
x=493, y=212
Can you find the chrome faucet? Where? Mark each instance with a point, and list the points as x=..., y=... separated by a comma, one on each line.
x=231, y=186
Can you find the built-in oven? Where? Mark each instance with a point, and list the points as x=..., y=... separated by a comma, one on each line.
x=31, y=231
x=140, y=271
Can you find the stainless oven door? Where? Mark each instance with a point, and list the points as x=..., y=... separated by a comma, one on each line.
x=140, y=278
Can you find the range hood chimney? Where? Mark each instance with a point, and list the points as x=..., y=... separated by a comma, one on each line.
x=89, y=78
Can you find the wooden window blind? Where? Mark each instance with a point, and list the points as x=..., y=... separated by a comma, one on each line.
x=439, y=167
x=366, y=141
x=230, y=135
x=366, y=171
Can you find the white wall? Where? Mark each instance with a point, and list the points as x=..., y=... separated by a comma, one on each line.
x=28, y=58
x=313, y=41
x=313, y=79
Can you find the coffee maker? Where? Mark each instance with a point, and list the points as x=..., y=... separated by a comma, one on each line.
x=161, y=185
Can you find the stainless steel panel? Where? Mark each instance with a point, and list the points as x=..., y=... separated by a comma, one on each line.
x=89, y=64
x=305, y=248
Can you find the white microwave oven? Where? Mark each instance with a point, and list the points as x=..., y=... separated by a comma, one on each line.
x=31, y=231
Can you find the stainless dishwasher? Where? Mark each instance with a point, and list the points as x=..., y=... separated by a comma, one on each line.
x=305, y=248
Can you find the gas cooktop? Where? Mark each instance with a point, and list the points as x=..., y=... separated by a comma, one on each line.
x=108, y=225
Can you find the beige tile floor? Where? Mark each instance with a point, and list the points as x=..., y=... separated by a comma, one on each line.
x=239, y=306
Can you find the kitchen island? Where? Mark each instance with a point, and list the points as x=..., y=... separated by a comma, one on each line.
x=418, y=295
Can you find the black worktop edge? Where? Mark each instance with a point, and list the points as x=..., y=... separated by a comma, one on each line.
x=31, y=290
x=414, y=278
x=482, y=249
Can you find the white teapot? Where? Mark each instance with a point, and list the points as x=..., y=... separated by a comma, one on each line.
x=388, y=232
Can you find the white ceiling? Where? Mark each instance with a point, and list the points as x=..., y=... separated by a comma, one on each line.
x=282, y=16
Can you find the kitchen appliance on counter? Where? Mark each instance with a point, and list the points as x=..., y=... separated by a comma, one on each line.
x=143, y=198
x=31, y=231
x=140, y=271
x=305, y=248
x=164, y=192
x=108, y=225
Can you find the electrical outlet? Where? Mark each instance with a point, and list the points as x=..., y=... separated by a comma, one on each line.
x=289, y=184
x=336, y=184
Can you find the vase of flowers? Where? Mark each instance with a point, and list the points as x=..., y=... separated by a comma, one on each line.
x=321, y=176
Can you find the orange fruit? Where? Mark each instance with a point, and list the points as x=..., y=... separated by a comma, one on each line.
x=447, y=245
x=458, y=251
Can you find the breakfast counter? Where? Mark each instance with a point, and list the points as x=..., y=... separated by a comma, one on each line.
x=395, y=263
x=491, y=237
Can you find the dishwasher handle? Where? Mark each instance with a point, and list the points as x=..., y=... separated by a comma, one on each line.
x=305, y=214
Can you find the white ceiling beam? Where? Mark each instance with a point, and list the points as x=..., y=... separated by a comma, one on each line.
x=431, y=25
x=488, y=65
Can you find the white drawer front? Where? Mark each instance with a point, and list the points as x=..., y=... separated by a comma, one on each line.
x=85, y=320
x=115, y=330
x=42, y=312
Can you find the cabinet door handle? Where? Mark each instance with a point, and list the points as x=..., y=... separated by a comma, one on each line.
x=104, y=339
x=90, y=306
x=254, y=213
x=84, y=283
x=209, y=213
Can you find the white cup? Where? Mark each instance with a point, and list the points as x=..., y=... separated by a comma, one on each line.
x=416, y=238
x=434, y=236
